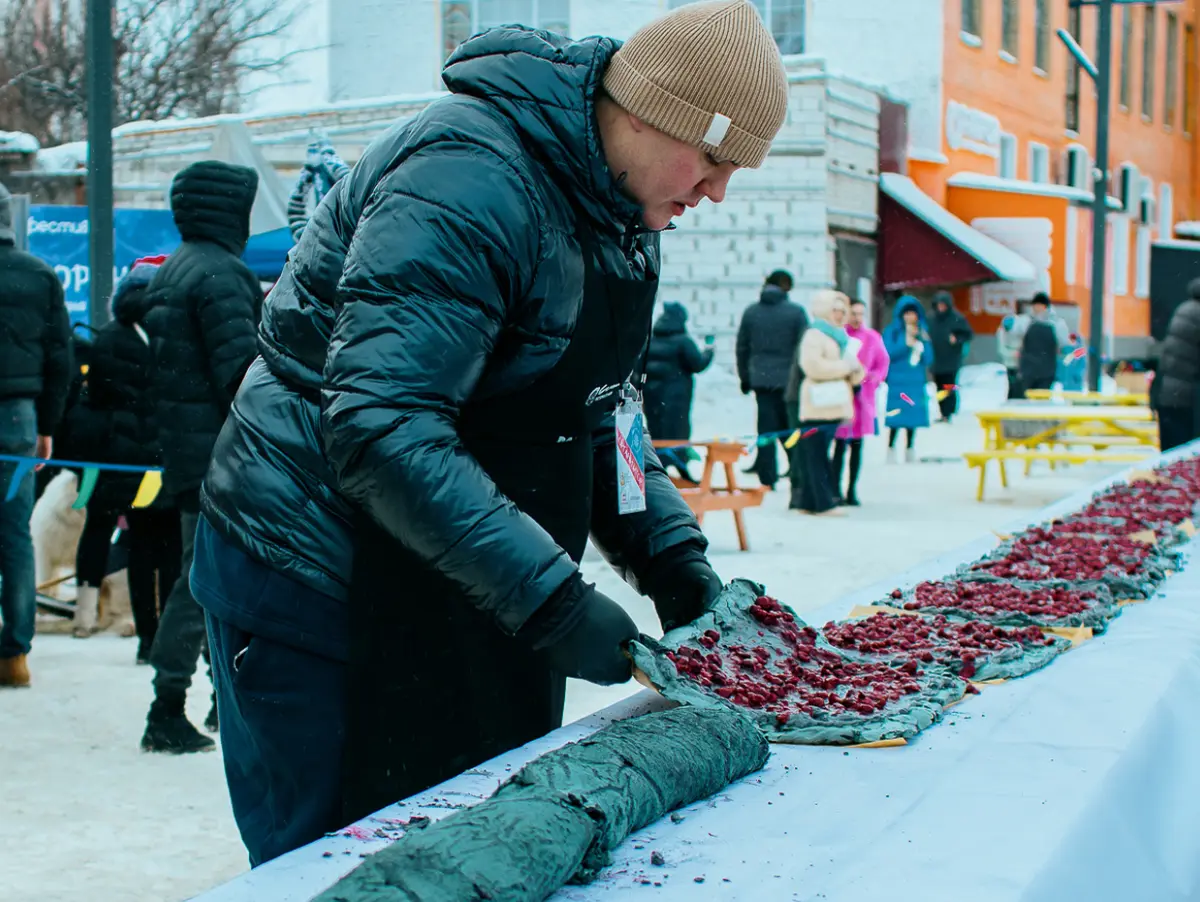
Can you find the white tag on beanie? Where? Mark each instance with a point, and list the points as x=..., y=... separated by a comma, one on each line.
x=717, y=129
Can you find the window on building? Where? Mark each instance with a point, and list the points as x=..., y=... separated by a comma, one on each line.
x=1171, y=71
x=1125, y=91
x=786, y=19
x=1074, y=72
x=1039, y=162
x=1120, y=268
x=1043, y=29
x=1166, y=211
x=972, y=16
x=1007, y=166
x=1010, y=24
x=1189, y=79
x=456, y=26
x=1148, y=60
x=1141, y=287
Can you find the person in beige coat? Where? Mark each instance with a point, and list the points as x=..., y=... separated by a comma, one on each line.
x=828, y=361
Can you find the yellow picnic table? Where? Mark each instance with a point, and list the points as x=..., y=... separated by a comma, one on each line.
x=1061, y=433
x=1088, y=397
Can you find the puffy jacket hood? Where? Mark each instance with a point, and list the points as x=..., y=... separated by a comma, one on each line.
x=908, y=302
x=547, y=85
x=211, y=201
x=673, y=320
x=131, y=301
x=772, y=294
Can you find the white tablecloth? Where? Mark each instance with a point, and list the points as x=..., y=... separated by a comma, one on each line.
x=1075, y=783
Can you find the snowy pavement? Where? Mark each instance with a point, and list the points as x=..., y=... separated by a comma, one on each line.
x=89, y=816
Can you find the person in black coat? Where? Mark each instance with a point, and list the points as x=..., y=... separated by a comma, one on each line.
x=204, y=307
x=118, y=411
x=767, y=339
x=1042, y=346
x=1177, y=380
x=672, y=362
x=397, y=507
x=950, y=333
x=35, y=374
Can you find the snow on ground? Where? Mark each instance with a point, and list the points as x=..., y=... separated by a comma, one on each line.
x=89, y=816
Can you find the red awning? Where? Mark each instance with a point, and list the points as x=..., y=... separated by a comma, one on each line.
x=923, y=245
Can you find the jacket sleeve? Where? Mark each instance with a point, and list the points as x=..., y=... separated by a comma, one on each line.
x=434, y=271
x=57, y=361
x=877, y=363
x=227, y=308
x=743, y=351
x=963, y=329
x=694, y=360
x=816, y=365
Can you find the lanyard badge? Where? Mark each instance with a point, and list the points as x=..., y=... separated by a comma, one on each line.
x=631, y=436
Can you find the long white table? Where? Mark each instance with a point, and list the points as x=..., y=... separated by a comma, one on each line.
x=1078, y=782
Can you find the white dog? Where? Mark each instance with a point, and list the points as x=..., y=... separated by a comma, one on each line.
x=56, y=528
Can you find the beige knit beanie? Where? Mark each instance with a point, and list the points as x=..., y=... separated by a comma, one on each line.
x=708, y=74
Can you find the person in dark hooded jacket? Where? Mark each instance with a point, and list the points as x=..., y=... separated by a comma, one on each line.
x=118, y=412
x=767, y=342
x=950, y=333
x=204, y=307
x=1177, y=380
x=672, y=362
x=400, y=499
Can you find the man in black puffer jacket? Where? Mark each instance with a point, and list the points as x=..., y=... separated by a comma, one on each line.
x=1177, y=381
x=767, y=340
x=35, y=373
x=672, y=362
x=204, y=307
x=398, y=504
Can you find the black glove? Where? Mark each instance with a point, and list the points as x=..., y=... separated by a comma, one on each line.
x=684, y=585
x=583, y=633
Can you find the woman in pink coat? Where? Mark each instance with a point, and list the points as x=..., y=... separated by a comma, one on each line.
x=874, y=358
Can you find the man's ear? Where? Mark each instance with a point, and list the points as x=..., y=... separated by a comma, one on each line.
x=635, y=123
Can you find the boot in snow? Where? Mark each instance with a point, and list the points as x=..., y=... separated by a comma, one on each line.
x=168, y=729
x=211, y=723
x=910, y=456
x=87, y=608
x=891, y=455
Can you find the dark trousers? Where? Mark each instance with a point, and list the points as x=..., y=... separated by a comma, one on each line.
x=18, y=580
x=1041, y=383
x=95, y=543
x=772, y=420
x=893, y=433
x=1016, y=388
x=155, y=556
x=1176, y=426
x=815, y=492
x=180, y=637
x=283, y=711
x=946, y=381
x=839, y=457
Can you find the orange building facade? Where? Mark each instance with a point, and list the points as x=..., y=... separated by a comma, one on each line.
x=1018, y=140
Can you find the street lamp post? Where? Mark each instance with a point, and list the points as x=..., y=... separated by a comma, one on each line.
x=100, y=159
x=1101, y=73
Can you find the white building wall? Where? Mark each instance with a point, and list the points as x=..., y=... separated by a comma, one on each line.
x=613, y=18
x=896, y=44
x=304, y=80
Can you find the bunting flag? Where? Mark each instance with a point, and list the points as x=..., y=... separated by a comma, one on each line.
x=943, y=395
x=87, y=485
x=24, y=468
x=149, y=489
x=792, y=439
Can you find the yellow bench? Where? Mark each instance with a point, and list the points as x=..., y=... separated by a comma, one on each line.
x=1029, y=455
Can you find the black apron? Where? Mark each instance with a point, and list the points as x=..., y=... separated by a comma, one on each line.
x=435, y=687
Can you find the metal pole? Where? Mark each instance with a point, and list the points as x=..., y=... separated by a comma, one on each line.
x=1100, y=189
x=100, y=159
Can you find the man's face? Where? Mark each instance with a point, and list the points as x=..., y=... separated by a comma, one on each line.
x=858, y=315
x=1039, y=310
x=667, y=176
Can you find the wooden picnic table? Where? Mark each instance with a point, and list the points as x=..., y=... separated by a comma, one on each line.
x=1088, y=397
x=705, y=497
x=1071, y=434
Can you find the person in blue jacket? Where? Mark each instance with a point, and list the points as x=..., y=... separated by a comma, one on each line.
x=910, y=351
x=1072, y=366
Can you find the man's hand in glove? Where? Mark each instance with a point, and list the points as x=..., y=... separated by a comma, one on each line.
x=583, y=633
x=684, y=585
